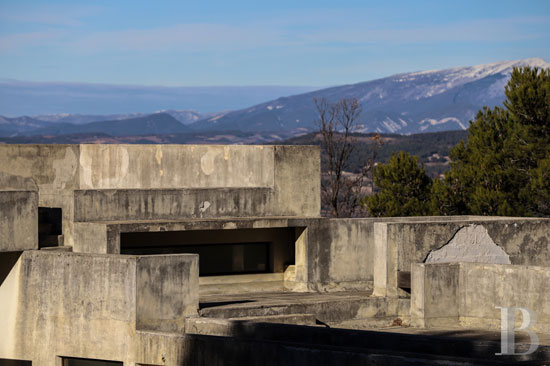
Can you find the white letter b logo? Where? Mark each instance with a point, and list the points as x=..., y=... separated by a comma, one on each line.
x=507, y=336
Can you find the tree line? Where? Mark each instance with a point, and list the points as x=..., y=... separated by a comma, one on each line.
x=502, y=168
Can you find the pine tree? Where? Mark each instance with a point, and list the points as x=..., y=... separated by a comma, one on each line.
x=497, y=170
x=403, y=186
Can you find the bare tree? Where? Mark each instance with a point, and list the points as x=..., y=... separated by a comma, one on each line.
x=341, y=191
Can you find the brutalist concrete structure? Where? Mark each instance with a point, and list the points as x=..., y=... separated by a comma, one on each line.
x=200, y=255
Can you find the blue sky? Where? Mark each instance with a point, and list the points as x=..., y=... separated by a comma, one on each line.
x=314, y=43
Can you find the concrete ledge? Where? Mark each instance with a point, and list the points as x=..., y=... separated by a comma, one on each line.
x=148, y=204
x=328, y=308
x=263, y=282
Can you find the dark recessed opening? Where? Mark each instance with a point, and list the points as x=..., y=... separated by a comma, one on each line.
x=221, y=252
x=68, y=361
x=50, y=226
x=6, y=362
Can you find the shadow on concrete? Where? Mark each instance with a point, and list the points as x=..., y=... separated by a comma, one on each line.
x=283, y=344
x=204, y=305
x=7, y=261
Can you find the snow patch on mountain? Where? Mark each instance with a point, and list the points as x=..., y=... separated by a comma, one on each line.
x=427, y=122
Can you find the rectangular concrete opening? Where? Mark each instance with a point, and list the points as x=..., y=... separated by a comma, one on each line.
x=69, y=361
x=50, y=226
x=221, y=252
x=6, y=362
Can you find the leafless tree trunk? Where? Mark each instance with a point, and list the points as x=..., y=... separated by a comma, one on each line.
x=341, y=192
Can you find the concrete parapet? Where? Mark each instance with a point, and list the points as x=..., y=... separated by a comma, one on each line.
x=397, y=245
x=469, y=294
x=92, y=306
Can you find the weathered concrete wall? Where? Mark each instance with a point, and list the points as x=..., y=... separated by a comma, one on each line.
x=399, y=244
x=330, y=254
x=175, y=166
x=469, y=244
x=113, y=205
x=54, y=169
x=64, y=304
x=144, y=182
x=338, y=254
x=468, y=294
x=435, y=297
x=167, y=291
x=18, y=213
x=18, y=220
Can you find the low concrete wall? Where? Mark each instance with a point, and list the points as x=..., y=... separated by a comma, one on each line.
x=339, y=254
x=330, y=254
x=468, y=294
x=397, y=245
x=92, y=306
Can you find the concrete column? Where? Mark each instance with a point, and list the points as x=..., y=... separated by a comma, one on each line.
x=301, y=260
x=385, y=261
x=417, y=295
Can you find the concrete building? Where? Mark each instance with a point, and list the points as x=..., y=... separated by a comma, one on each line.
x=213, y=255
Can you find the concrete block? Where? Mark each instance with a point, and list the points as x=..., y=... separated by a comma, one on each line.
x=167, y=291
x=469, y=294
x=92, y=305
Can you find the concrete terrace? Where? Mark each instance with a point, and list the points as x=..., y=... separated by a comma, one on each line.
x=179, y=255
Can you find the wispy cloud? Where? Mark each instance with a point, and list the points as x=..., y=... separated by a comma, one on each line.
x=13, y=42
x=287, y=33
x=68, y=16
x=316, y=30
x=190, y=36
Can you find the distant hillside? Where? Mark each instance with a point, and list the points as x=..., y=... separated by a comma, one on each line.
x=17, y=125
x=154, y=124
x=426, y=101
x=228, y=137
x=184, y=116
x=432, y=148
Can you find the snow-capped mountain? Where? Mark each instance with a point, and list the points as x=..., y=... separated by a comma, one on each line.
x=413, y=102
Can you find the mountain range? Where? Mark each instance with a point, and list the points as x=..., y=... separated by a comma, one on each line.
x=425, y=101
x=39, y=98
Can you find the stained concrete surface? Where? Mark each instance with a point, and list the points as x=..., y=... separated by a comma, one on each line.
x=328, y=308
x=471, y=243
